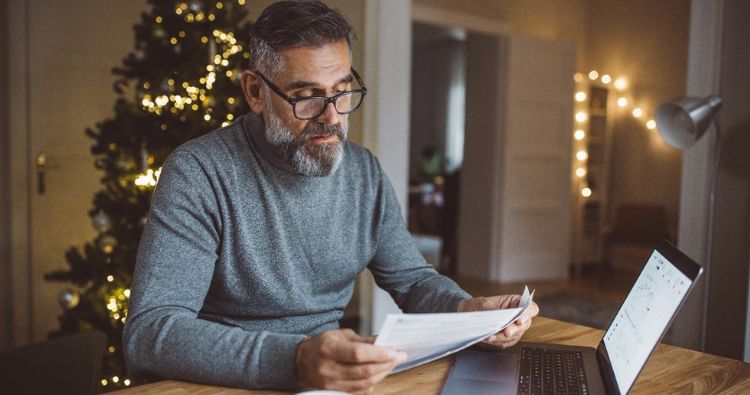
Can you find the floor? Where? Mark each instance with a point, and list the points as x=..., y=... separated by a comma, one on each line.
x=596, y=284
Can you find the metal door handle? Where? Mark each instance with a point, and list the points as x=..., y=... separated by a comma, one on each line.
x=41, y=164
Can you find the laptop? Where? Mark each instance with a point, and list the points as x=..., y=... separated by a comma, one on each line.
x=612, y=367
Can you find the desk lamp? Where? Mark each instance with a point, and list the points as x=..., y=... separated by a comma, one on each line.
x=682, y=122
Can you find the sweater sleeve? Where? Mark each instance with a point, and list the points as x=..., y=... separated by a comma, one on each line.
x=164, y=337
x=399, y=268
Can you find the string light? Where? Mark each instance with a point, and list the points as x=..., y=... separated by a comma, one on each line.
x=117, y=305
x=150, y=178
x=110, y=278
x=126, y=382
x=621, y=84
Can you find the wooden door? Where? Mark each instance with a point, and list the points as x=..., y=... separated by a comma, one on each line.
x=62, y=53
x=535, y=220
x=514, y=219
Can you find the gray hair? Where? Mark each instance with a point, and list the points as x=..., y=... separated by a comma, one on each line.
x=291, y=24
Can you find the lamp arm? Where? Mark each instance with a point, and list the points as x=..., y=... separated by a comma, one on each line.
x=710, y=237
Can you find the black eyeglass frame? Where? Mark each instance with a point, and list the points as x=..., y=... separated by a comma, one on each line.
x=293, y=101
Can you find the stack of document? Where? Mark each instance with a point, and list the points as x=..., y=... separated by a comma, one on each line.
x=427, y=337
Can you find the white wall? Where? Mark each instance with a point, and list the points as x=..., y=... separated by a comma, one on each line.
x=386, y=119
x=646, y=41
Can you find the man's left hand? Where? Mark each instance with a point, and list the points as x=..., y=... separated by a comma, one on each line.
x=513, y=332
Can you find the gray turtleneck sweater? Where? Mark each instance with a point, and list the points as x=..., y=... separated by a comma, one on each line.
x=241, y=259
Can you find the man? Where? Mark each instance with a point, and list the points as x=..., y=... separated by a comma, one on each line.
x=258, y=230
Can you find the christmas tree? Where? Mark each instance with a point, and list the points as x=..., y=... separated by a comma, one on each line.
x=180, y=81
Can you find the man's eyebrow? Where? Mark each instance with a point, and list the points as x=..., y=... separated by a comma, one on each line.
x=309, y=84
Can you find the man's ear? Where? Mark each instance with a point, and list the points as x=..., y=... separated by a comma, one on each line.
x=251, y=88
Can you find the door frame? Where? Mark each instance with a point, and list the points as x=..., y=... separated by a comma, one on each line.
x=17, y=195
x=6, y=302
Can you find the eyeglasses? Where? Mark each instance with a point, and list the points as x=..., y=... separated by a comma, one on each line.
x=311, y=107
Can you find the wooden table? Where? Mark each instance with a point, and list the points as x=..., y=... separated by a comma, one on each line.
x=669, y=370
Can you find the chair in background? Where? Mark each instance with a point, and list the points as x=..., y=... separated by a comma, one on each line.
x=66, y=365
x=632, y=237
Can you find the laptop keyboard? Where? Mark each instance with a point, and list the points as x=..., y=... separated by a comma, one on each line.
x=549, y=371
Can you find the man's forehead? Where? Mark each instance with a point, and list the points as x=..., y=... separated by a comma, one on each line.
x=330, y=62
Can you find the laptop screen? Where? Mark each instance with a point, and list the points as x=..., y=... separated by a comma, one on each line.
x=643, y=317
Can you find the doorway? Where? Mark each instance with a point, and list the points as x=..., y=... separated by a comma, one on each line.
x=436, y=143
x=490, y=153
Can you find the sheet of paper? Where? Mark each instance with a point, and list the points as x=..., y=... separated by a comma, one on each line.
x=427, y=337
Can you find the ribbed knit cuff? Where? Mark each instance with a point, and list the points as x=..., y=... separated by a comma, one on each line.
x=278, y=367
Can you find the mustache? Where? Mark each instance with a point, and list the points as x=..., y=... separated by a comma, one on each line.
x=324, y=129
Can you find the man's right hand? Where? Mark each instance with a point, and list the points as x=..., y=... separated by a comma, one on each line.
x=341, y=360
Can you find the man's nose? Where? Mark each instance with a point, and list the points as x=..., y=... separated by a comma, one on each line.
x=329, y=116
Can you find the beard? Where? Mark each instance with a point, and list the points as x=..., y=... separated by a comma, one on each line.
x=306, y=157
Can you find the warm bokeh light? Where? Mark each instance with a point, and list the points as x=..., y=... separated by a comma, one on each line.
x=651, y=124
x=580, y=96
x=637, y=112
x=606, y=79
x=621, y=83
x=582, y=155
x=578, y=77
x=586, y=192
x=580, y=172
x=581, y=116
x=579, y=134
x=622, y=102
x=593, y=75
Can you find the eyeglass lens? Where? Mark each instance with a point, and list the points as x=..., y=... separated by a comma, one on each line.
x=314, y=106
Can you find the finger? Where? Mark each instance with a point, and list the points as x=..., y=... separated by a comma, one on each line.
x=503, y=344
x=362, y=371
x=357, y=352
x=524, y=321
x=531, y=312
x=503, y=301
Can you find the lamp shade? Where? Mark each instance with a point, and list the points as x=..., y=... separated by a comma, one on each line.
x=681, y=122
